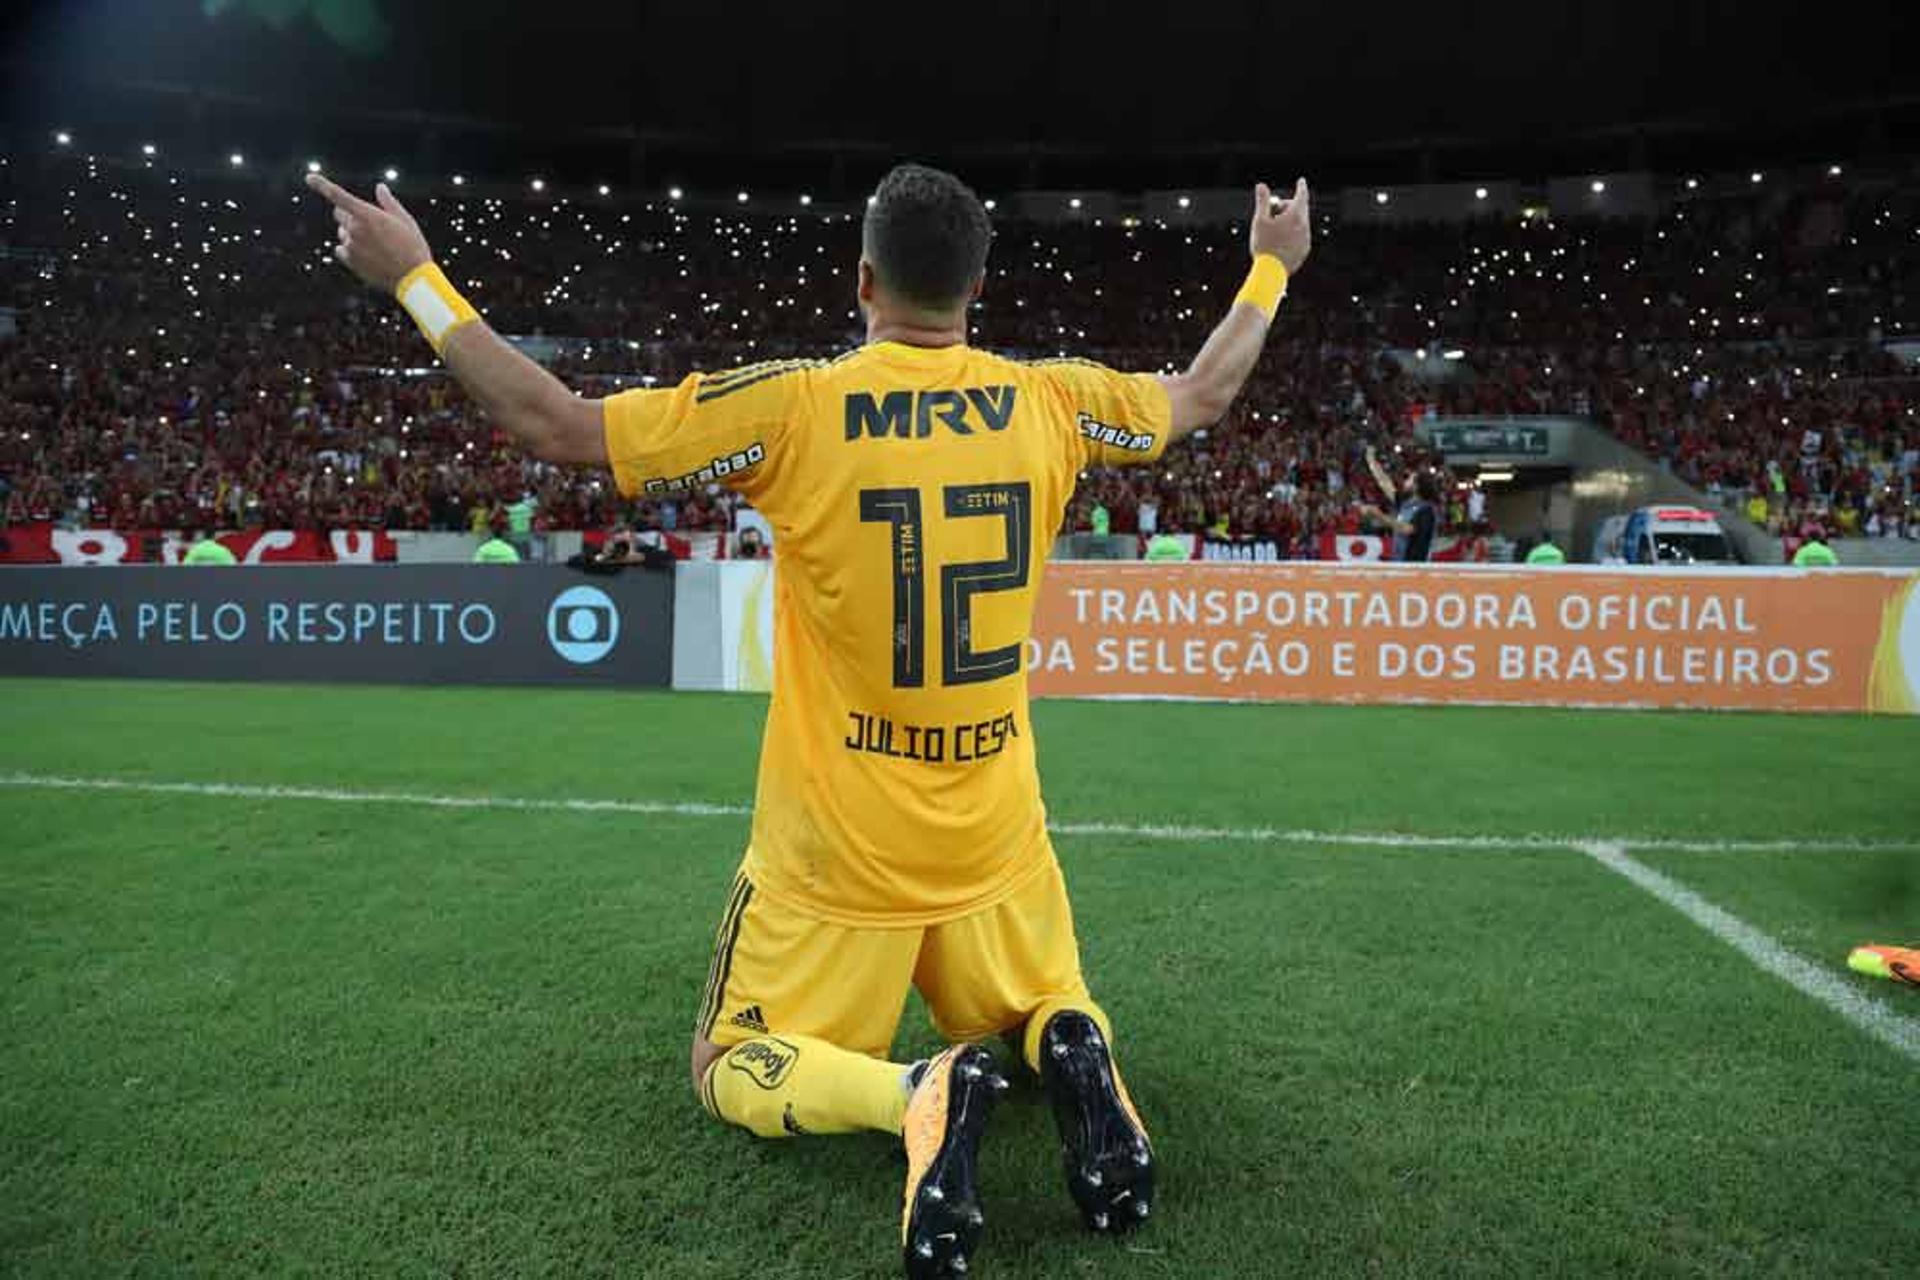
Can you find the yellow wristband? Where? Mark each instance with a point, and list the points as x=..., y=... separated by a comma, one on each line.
x=1266, y=284
x=435, y=305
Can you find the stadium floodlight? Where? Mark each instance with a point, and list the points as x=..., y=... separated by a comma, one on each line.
x=313, y=166
x=459, y=180
x=1380, y=197
x=674, y=193
x=148, y=149
x=236, y=159
x=390, y=173
x=1833, y=171
x=1479, y=193
x=992, y=205
x=1756, y=176
x=63, y=138
x=604, y=189
x=805, y=199
x=1693, y=184
x=537, y=184
x=1598, y=187
x=1074, y=203
x=740, y=196
x=1453, y=353
x=1494, y=475
x=1186, y=202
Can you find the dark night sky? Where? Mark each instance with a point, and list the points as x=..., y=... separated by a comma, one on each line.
x=1068, y=78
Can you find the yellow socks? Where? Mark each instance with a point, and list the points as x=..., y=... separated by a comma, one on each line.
x=1030, y=1040
x=780, y=1085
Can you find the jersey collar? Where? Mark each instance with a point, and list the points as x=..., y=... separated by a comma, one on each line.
x=919, y=357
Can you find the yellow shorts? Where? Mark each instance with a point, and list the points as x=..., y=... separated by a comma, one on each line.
x=983, y=974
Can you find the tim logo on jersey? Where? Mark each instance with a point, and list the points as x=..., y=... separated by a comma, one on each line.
x=911, y=415
x=1117, y=437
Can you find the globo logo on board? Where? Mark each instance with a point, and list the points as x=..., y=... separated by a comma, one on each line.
x=583, y=624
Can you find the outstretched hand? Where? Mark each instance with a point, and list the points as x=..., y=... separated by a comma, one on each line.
x=379, y=242
x=1283, y=228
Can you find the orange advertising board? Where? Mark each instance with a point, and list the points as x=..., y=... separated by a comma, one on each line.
x=1761, y=639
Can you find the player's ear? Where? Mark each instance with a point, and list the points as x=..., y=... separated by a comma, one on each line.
x=865, y=286
x=979, y=284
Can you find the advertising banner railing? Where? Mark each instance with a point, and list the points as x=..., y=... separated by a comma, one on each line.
x=451, y=624
x=43, y=542
x=1784, y=640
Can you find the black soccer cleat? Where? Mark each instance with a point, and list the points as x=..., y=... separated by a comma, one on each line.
x=1108, y=1158
x=940, y=1219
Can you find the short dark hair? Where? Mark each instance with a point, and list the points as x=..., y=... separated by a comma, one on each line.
x=926, y=236
x=1427, y=485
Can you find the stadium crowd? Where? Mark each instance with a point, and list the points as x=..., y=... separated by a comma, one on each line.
x=188, y=356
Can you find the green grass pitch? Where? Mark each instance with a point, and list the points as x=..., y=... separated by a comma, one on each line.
x=273, y=1035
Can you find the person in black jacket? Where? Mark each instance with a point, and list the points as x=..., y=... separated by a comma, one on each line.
x=1413, y=525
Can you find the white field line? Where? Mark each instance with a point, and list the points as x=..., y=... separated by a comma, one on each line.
x=1178, y=833
x=1895, y=1030
x=335, y=795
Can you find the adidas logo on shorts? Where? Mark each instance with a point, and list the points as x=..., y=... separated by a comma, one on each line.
x=750, y=1018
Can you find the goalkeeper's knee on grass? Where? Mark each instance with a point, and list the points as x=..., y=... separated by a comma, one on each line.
x=786, y=1085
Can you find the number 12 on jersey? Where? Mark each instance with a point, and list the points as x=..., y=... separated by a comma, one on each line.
x=960, y=662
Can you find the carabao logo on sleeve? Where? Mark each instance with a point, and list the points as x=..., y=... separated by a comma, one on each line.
x=583, y=624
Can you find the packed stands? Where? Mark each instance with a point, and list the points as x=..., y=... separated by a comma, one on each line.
x=188, y=356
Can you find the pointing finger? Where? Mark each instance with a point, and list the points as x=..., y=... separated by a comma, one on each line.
x=335, y=194
x=1262, y=200
x=1300, y=192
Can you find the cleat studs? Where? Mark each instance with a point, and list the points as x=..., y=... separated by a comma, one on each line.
x=971, y=1071
x=1094, y=1178
x=1141, y=1157
x=976, y=1218
x=1140, y=1209
x=933, y=1193
x=959, y=1264
x=999, y=1084
x=924, y=1249
x=1099, y=1222
x=1060, y=1051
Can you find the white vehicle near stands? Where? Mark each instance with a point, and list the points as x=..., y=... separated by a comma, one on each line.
x=1663, y=535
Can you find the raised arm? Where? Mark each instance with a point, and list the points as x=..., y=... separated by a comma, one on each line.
x=1380, y=476
x=1280, y=240
x=382, y=244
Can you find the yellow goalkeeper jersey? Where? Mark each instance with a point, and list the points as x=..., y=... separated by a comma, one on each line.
x=914, y=493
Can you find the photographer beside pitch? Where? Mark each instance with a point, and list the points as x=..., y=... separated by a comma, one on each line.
x=899, y=837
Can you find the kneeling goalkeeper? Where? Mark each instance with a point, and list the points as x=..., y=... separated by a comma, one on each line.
x=899, y=837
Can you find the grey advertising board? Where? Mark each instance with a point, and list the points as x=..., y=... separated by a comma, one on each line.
x=1489, y=438
x=413, y=624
